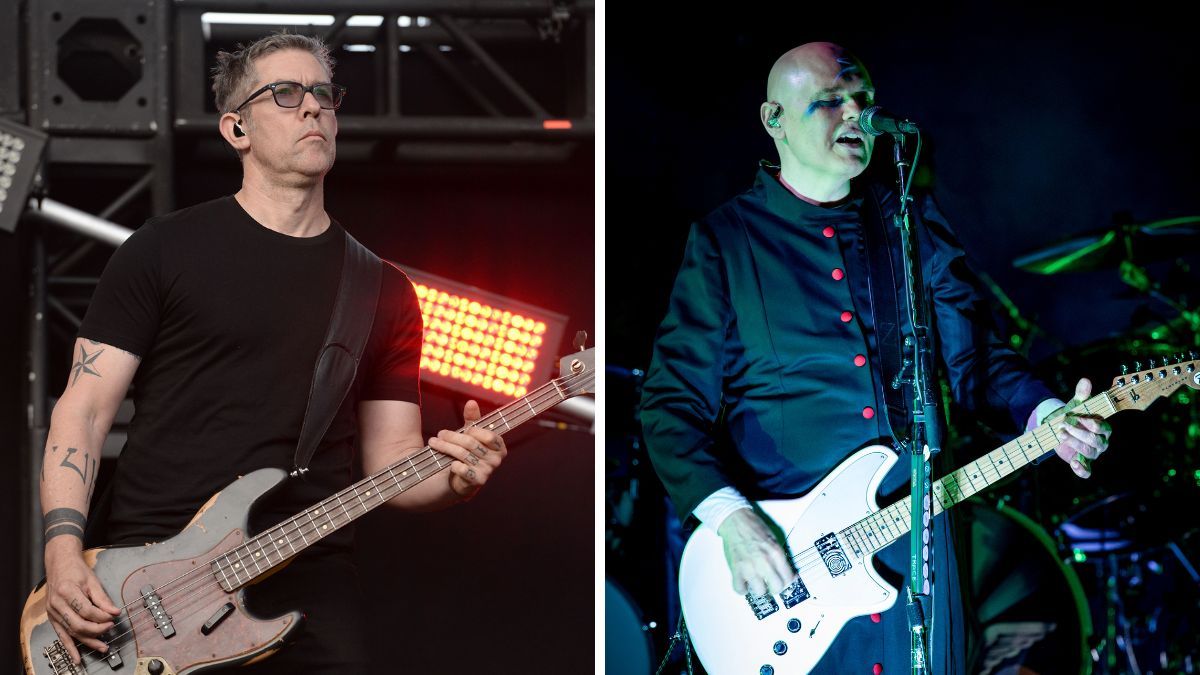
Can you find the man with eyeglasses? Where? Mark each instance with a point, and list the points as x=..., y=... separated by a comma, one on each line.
x=216, y=313
x=770, y=346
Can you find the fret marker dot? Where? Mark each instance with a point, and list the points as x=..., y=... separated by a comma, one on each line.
x=324, y=527
x=279, y=542
x=237, y=565
x=403, y=473
x=258, y=554
x=368, y=493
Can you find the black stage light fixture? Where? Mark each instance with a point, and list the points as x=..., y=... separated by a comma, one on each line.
x=20, y=153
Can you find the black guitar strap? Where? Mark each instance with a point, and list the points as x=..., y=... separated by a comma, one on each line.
x=337, y=364
x=885, y=288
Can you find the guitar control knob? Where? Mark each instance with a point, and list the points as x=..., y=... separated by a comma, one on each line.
x=155, y=667
x=780, y=648
x=766, y=670
x=793, y=625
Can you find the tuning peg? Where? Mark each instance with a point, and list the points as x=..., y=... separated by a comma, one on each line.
x=1137, y=365
x=1192, y=355
x=1124, y=369
x=1152, y=363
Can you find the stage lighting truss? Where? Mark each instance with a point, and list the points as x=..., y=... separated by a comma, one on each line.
x=484, y=344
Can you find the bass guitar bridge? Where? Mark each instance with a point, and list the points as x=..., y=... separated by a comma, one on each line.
x=59, y=660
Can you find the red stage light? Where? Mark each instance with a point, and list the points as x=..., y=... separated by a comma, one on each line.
x=481, y=343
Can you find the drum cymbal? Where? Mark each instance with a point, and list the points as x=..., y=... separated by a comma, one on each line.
x=1107, y=248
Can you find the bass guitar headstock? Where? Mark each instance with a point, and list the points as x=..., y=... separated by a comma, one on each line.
x=577, y=372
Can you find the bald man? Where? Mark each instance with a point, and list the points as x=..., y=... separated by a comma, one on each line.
x=767, y=371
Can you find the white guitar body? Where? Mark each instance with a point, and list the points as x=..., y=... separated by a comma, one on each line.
x=730, y=637
x=832, y=544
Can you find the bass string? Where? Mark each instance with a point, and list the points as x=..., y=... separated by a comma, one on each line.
x=521, y=417
x=244, y=552
x=541, y=394
x=131, y=619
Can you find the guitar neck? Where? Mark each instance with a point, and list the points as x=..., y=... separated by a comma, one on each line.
x=287, y=539
x=889, y=524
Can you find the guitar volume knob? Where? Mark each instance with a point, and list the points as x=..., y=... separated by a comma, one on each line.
x=793, y=625
x=780, y=647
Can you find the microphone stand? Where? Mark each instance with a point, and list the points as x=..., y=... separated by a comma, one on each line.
x=925, y=441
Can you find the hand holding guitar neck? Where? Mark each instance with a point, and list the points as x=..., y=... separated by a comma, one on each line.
x=478, y=451
x=1085, y=435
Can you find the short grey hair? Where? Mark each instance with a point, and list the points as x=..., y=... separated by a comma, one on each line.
x=234, y=75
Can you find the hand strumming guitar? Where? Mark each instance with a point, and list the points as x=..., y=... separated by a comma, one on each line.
x=756, y=559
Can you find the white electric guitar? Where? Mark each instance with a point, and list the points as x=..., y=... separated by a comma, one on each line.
x=832, y=533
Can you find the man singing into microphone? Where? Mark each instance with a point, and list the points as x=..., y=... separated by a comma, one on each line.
x=770, y=341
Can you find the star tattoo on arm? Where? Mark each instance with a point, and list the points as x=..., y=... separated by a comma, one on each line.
x=84, y=364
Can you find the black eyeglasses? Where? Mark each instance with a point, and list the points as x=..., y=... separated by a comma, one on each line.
x=291, y=94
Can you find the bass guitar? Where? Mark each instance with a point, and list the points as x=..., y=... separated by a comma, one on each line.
x=832, y=534
x=182, y=599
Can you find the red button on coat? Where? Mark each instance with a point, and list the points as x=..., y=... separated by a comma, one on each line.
x=838, y=274
x=877, y=669
x=868, y=412
x=876, y=618
x=860, y=360
x=828, y=232
x=846, y=316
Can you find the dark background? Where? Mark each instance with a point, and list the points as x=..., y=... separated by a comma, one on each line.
x=1038, y=125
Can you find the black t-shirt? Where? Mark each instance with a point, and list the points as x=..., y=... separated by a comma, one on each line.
x=228, y=317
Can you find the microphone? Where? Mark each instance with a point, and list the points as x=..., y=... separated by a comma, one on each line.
x=876, y=121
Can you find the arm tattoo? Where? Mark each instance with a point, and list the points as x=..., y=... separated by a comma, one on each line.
x=84, y=364
x=83, y=474
x=135, y=356
x=64, y=521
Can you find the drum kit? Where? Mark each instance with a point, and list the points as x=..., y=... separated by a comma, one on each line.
x=1102, y=579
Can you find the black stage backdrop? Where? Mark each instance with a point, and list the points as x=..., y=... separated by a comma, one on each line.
x=503, y=584
x=1039, y=125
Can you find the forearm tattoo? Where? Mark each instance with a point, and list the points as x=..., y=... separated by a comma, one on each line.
x=64, y=521
x=86, y=471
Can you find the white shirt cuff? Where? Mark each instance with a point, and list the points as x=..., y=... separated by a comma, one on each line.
x=1043, y=410
x=716, y=507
